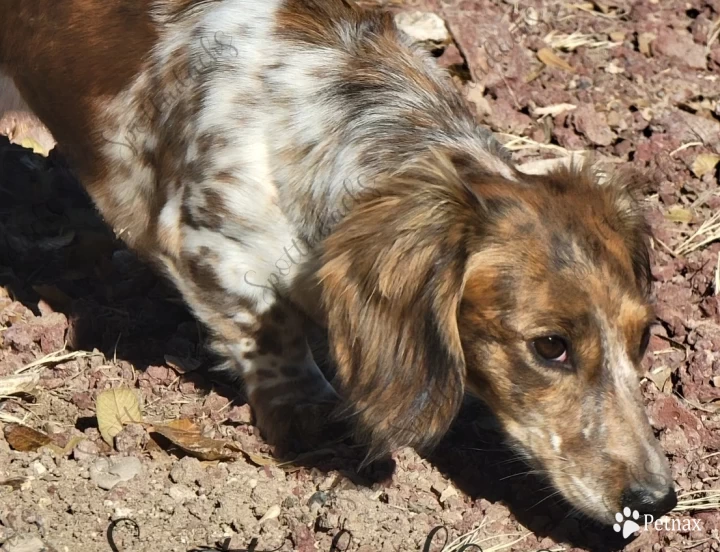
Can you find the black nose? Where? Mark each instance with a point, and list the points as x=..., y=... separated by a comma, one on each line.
x=648, y=500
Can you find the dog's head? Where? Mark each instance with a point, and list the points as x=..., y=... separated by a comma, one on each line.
x=530, y=292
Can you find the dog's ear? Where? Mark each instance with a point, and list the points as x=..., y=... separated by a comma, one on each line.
x=628, y=217
x=392, y=277
x=623, y=190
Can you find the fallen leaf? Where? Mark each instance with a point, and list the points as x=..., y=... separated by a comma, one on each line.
x=549, y=58
x=260, y=459
x=184, y=434
x=679, y=214
x=704, y=163
x=660, y=376
x=115, y=408
x=19, y=383
x=24, y=438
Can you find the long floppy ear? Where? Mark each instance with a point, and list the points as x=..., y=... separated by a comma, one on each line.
x=392, y=277
x=629, y=219
x=622, y=192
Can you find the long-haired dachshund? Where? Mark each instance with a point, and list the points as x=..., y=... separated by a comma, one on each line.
x=290, y=159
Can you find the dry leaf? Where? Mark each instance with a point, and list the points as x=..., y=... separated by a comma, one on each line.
x=549, y=58
x=660, y=377
x=20, y=383
x=678, y=214
x=115, y=408
x=186, y=435
x=24, y=438
x=705, y=163
x=260, y=459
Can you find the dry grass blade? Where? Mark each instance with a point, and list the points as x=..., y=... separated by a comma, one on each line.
x=717, y=277
x=517, y=143
x=713, y=35
x=684, y=147
x=589, y=8
x=20, y=383
x=708, y=232
x=551, y=59
x=703, y=500
x=473, y=538
x=54, y=358
x=572, y=42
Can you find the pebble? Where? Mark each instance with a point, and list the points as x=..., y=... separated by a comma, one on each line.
x=423, y=27
x=38, y=468
x=24, y=544
x=106, y=474
x=181, y=493
x=186, y=470
x=85, y=449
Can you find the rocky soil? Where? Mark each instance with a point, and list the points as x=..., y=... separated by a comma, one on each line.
x=632, y=81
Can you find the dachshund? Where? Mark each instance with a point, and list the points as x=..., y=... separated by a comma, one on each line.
x=293, y=161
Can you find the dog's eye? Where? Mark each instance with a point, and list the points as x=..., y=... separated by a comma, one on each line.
x=552, y=347
x=644, y=341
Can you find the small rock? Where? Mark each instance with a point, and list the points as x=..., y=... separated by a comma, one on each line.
x=85, y=449
x=593, y=125
x=24, y=544
x=424, y=27
x=38, y=468
x=240, y=414
x=272, y=513
x=181, y=493
x=132, y=437
x=122, y=512
x=681, y=47
x=106, y=474
x=644, y=42
x=186, y=470
x=126, y=468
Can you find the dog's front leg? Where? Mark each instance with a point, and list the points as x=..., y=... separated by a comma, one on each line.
x=260, y=334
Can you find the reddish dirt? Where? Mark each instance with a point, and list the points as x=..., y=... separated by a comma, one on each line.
x=650, y=99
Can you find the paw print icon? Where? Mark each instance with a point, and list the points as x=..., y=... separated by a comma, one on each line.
x=627, y=522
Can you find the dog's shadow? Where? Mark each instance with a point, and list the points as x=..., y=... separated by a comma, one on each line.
x=54, y=246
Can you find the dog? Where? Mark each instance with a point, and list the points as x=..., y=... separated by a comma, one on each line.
x=294, y=161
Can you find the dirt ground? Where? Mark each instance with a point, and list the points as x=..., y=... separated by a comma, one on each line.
x=634, y=81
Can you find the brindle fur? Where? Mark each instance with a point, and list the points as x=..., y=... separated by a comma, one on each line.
x=219, y=137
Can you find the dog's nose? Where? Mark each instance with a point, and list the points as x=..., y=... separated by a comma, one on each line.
x=647, y=499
